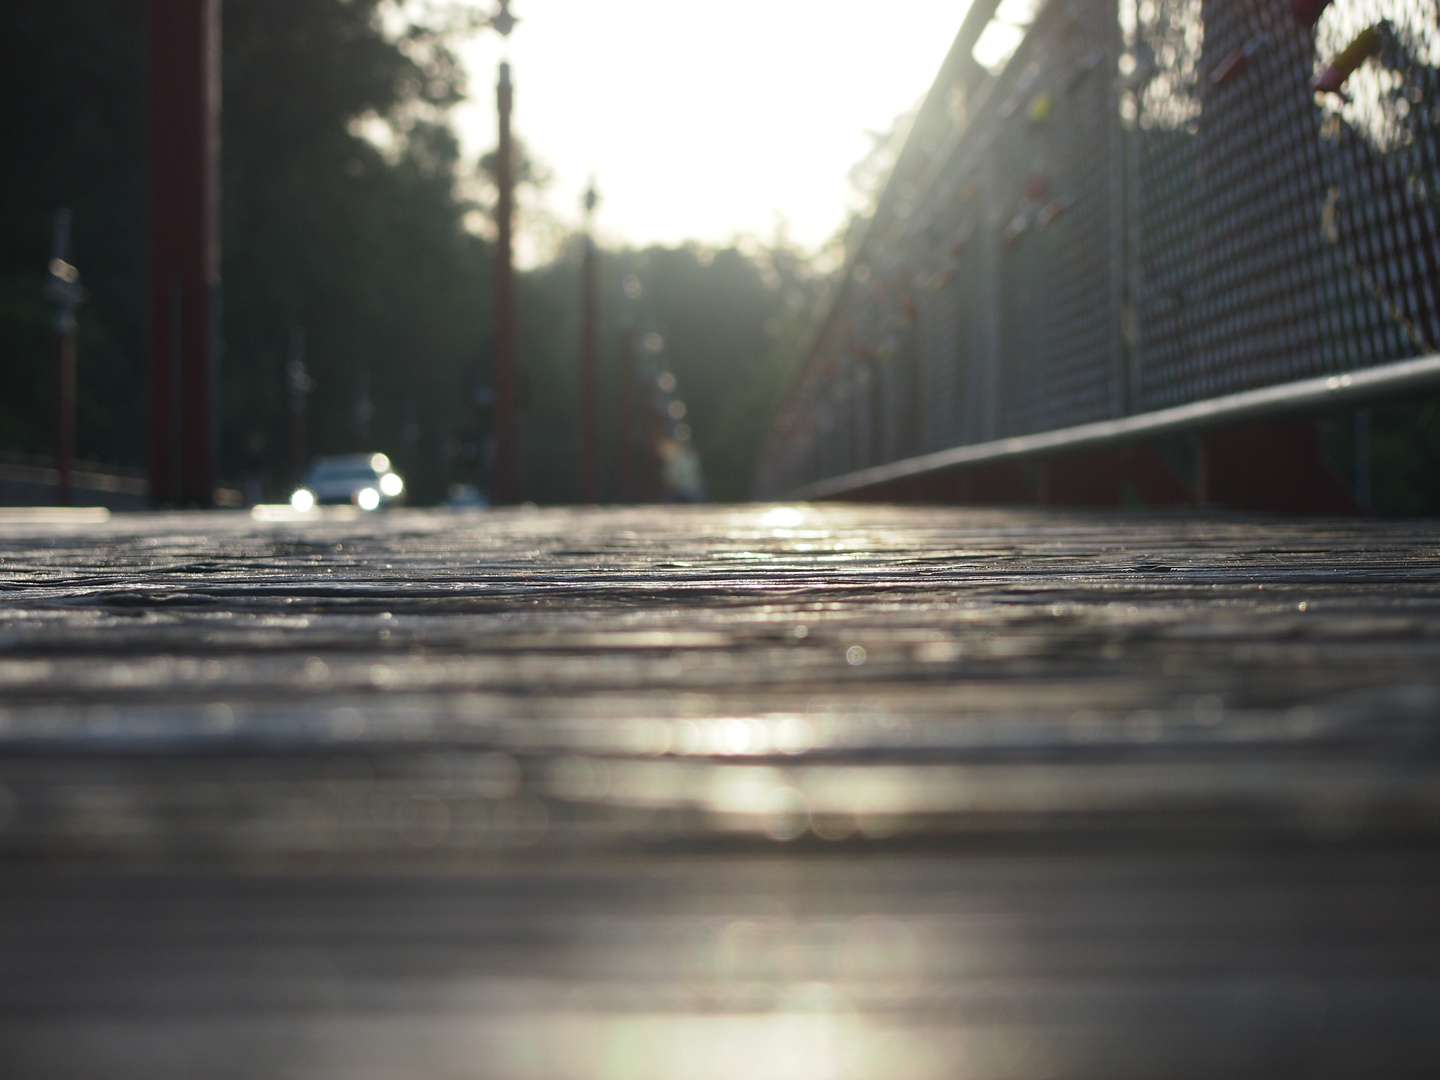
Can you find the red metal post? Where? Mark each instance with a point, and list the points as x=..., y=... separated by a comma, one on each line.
x=300, y=384
x=650, y=447
x=184, y=248
x=66, y=426
x=63, y=287
x=1274, y=466
x=297, y=444
x=625, y=422
x=507, y=348
x=589, y=368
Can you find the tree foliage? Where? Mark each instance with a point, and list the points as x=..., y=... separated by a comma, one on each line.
x=341, y=219
x=324, y=231
x=72, y=125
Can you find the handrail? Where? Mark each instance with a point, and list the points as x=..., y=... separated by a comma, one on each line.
x=1306, y=395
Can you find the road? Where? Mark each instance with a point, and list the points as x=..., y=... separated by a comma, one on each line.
x=813, y=791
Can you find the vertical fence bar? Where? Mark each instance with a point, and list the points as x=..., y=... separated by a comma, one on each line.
x=989, y=339
x=1122, y=195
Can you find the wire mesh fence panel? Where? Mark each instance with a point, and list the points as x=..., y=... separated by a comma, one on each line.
x=859, y=390
x=1153, y=202
x=1236, y=287
x=1378, y=148
x=971, y=383
x=938, y=354
x=1056, y=147
x=1282, y=232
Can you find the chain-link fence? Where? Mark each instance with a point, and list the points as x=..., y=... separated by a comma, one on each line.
x=1149, y=205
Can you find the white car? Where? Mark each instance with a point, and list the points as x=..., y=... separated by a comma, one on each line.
x=363, y=480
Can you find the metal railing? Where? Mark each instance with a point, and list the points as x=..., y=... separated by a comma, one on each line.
x=1152, y=204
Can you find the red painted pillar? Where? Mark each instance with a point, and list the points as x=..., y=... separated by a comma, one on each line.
x=300, y=385
x=506, y=482
x=1273, y=466
x=65, y=450
x=65, y=289
x=589, y=367
x=650, y=464
x=625, y=422
x=184, y=249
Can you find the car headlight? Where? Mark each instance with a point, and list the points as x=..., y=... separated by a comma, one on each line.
x=302, y=500
x=367, y=498
x=391, y=485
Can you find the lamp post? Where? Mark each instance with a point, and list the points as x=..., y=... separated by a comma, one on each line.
x=506, y=483
x=589, y=364
x=64, y=288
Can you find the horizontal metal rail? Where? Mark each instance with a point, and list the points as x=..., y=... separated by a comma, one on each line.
x=1303, y=396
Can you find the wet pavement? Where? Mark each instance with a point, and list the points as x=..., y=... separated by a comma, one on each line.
x=708, y=792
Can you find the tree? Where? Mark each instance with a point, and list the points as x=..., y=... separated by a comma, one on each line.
x=340, y=217
x=72, y=122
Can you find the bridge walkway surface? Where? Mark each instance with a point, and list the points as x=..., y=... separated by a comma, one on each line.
x=814, y=791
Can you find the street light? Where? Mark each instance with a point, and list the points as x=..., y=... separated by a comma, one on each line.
x=502, y=22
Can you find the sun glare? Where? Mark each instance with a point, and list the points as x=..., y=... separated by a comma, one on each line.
x=782, y=517
x=706, y=120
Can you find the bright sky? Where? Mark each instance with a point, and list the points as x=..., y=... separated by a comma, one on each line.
x=706, y=119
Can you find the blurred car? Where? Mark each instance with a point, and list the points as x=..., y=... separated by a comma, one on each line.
x=363, y=480
x=465, y=497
